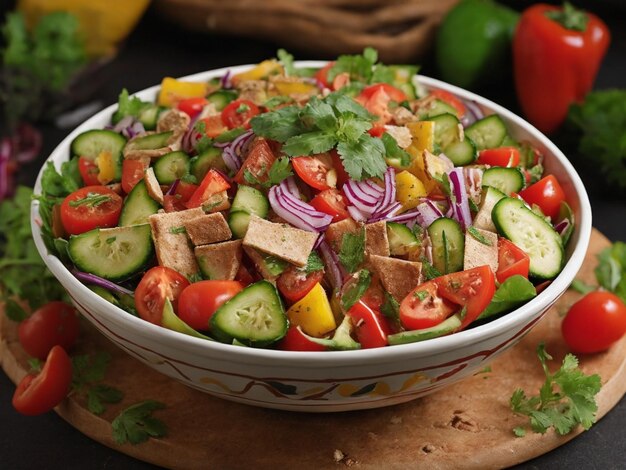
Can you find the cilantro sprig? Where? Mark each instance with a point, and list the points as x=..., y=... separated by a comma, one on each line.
x=565, y=400
x=87, y=371
x=335, y=121
x=352, y=252
x=136, y=424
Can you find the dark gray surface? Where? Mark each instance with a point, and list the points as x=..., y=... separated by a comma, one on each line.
x=157, y=49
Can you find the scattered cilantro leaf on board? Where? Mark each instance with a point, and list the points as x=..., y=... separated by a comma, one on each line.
x=136, y=424
x=87, y=371
x=100, y=394
x=565, y=400
x=352, y=252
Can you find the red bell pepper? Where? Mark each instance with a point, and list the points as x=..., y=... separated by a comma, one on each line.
x=556, y=56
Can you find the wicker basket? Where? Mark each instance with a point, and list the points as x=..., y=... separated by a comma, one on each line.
x=401, y=30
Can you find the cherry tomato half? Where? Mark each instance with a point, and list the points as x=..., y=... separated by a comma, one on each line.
x=37, y=394
x=394, y=94
x=371, y=328
x=424, y=307
x=258, y=162
x=317, y=171
x=238, y=113
x=199, y=301
x=296, y=340
x=132, y=172
x=293, y=284
x=547, y=194
x=450, y=99
x=501, y=156
x=322, y=74
x=90, y=207
x=88, y=171
x=512, y=260
x=213, y=183
x=156, y=285
x=55, y=323
x=213, y=126
x=192, y=106
x=594, y=323
x=331, y=202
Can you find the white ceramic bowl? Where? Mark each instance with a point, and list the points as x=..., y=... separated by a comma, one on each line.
x=328, y=381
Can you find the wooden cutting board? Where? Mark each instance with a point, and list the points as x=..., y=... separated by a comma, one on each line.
x=468, y=425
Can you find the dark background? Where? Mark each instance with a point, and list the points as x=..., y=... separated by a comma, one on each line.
x=156, y=49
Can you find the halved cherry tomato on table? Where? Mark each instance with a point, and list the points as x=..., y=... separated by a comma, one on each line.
x=450, y=99
x=132, y=172
x=258, y=162
x=331, y=202
x=213, y=125
x=37, y=394
x=472, y=289
x=55, y=323
x=296, y=340
x=370, y=327
x=88, y=171
x=547, y=194
x=156, y=285
x=317, y=171
x=294, y=284
x=424, y=307
x=90, y=207
x=238, y=113
x=322, y=74
x=594, y=323
x=192, y=106
x=501, y=156
x=212, y=183
x=512, y=260
x=199, y=301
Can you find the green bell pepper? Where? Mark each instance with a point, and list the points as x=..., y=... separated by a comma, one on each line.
x=474, y=40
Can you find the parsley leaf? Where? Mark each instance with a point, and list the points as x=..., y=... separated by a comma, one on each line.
x=364, y=157
x=309, y=143
x=356, y=291
x=390, y=308
x=430, y=272
x=352, y=252
x=610, y=272
x=86, y=371
x=286, y=60
x=100, y=394
x=314, y=263
x=514, y=291
x=279, y=125
x=358, y=66
x=473, y=231
x=136, y=424
x=580, y=287
x=279, y=171
x=572, y=403
x=394, y=152
x=127, y=106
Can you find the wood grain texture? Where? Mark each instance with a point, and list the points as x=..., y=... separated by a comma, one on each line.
x=468, y=425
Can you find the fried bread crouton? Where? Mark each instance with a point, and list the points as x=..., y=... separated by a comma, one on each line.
x=376, y=241
x=478, y=253
x=398, y=277
x=207, y=229
x=219, y=261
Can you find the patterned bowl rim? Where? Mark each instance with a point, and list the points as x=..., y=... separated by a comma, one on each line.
x=276, y=358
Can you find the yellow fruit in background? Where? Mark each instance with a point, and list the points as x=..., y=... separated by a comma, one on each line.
x=103, y=23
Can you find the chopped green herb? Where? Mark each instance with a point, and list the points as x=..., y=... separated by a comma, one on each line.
x=352, y=252
x=390, y=308
x=421, y=294
x=136, y=424
x=513, y=292
x=581, y=287
x=519, y=431
x=100, y=394
x=286, y=60
x=430, y=272
x=472, y=205
x=473, y=231
x=91, y=200
x=572, y=403
x=314, y=263
x=242, y=108
x=87, y=370
x=356, y=291
x=111, y=240
x=394, y=152
x=177, y=230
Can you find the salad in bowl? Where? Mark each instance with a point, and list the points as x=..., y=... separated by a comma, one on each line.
x=292, y=211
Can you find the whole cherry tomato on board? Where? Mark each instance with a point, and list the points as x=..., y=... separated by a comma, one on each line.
x=595, y=322
x=55, y=323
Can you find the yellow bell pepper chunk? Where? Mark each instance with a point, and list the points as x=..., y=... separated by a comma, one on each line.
x=423, y=133
x=418, y=168
x=106, y=167
x=286, y=87
x=409, y=190
x=313, y=313
x=172, y=91
x=260, y=71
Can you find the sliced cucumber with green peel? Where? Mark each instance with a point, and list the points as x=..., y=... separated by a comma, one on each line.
x=138, y=206
x=449, y=325
x=447, y=138
x=171, y=167
x=149, y=117
x=91, y=144
x=221, y=98
x=248, y=201
x=173, y=322
x=448, y=242
x=152, y=141
x=436, y=108
x=210, y=158
x=238, y=222
x=461, y=152
x=254, y=317
x=401, y=240
x=115, y=254
x=488, y=132
x=532, y=234
x=506, y=180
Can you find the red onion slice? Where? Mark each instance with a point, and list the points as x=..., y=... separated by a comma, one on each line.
x=333, y=266
x=98, y=281
x=297, y=213
x=27, y=142
x=460, y=204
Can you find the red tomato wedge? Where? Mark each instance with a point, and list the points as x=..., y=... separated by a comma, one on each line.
x=317, y=171
x=450, y=99
x=212, y=183
x=394, y=94
x=213, y=125
x=512, y=260
x=88, y=171
x=371, y=327
x=547, y=194
x=296, y=340
x=258, y=162
x=55, y=323
x=199, y=301
x=156, y=285
x=132, y=173
x=424, y=307
x=192, y=106
x=90, y=207
x=322, y=74
x=331, y=202
x=238, y=113
x=501, y=156
x=37, y=394
x=293, y=284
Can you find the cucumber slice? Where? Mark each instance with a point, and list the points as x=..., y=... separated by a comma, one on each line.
x=171, y=167
x=532, y=234
x=401, y=240
x=221, y=98
x=254, y=317
x=173, y=322
x=251, y=200
x=446, y=327
x=210, y=158
x=487, y=133
x=112, y=253
x=436, y=108
x=506, y=180
x=138, y=206
x=238, y=222
x=105, y=294
x=448, y=242
x=92, y=143
x=152, y=141
x=149, y=117
x=461, y=152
